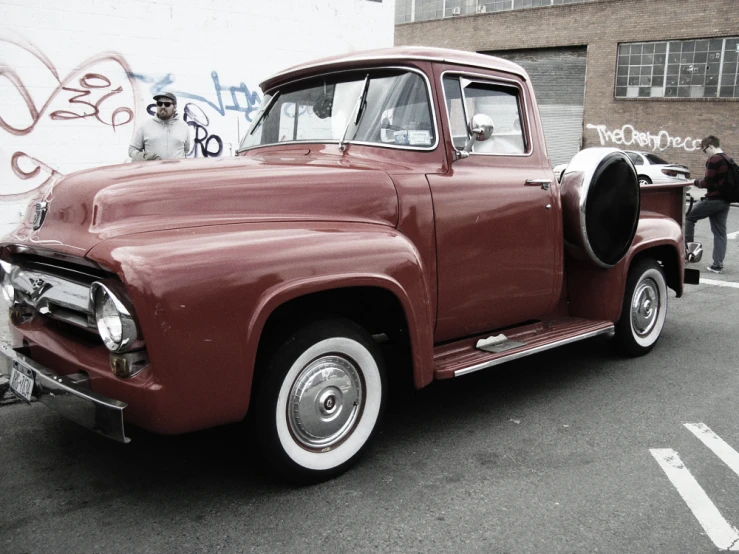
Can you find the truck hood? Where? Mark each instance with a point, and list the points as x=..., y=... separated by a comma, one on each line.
x=90, y=206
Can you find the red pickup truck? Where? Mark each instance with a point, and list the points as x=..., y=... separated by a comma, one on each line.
x=399, y=195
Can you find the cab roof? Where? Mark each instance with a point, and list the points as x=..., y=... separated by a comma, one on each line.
x=397, y=54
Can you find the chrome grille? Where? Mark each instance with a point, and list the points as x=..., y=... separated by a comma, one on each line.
x=58, y=297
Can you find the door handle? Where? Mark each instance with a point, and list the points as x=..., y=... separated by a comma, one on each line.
x=536, y=182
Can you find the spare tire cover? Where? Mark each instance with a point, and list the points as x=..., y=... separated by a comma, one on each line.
x=600, y=204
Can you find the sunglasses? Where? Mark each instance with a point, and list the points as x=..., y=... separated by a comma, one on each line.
x=165, y=104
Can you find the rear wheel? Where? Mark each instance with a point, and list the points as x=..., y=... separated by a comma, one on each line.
x=644, y=308
x=644, y=180
x=320, y=401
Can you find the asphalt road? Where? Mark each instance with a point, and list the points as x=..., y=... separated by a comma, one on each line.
x=556, y=453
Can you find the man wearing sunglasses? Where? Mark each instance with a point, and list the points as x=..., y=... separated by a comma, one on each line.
x=713, y=206
x=163, y=137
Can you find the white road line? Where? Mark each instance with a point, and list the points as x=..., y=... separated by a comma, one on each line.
x=719, y=447
x=721, y=532
x=732, y=235
x=720, y=283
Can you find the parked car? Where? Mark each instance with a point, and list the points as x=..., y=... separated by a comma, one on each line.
x=654, y=170
x=650, y=168
x=401, y=195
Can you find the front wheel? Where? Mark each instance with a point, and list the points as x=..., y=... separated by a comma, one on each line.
x=320, y=401
x=644, y=308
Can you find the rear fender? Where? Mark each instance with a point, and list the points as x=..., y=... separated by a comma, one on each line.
x=597, y=293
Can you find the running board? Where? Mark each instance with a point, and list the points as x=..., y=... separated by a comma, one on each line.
x=463, y=357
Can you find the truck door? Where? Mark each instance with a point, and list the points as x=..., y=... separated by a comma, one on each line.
x=497, y=212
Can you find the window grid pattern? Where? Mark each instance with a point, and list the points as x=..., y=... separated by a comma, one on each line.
x=409, y=11
x=702, y=68
x=403, y=11
x=429, y=9
x=452, y=8
x=496, y=5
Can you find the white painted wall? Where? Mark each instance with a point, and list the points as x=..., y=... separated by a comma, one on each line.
x=77, y=75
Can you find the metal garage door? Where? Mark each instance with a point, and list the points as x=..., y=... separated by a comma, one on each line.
x=558, y=76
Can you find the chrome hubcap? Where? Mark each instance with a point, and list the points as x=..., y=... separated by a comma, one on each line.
x=645, y=307
x=325, y=402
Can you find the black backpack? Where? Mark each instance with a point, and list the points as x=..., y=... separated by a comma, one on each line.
x=729, y=189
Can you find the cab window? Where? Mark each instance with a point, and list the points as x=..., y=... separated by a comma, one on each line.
x=465, y=98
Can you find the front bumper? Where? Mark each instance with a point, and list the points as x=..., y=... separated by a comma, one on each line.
x=70, y=396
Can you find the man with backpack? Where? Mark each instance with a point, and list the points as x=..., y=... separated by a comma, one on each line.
x=720, y=182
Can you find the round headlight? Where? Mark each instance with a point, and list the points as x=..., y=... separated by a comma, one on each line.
x=7, y=285
x=115, y=324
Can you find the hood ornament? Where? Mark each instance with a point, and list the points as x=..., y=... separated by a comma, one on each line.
x=39, y=214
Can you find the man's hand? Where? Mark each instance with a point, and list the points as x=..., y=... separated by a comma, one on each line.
x=151, y=156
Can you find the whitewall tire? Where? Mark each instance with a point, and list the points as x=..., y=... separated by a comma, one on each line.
x=644, y=308
x=320, y=401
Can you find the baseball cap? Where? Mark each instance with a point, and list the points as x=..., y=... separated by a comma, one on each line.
x=168, y=95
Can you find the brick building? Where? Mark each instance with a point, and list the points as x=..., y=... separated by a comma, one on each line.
x=653, y=75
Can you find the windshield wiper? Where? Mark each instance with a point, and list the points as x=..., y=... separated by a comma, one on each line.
x=357, y=112
x=262, y=114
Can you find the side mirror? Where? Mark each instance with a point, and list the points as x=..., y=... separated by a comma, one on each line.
x=481, y=129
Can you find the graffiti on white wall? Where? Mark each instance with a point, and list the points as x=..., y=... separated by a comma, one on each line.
x=238, y=99
x=52, y=123
x=630, y=136
x=75, y=83
x=40, y=101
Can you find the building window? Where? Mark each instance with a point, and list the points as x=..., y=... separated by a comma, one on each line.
x=403, y=11
x=494, y=6
x=408, y=11
x=702, y=68
x=429, y=9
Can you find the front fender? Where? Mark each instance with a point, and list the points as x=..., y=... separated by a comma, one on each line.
x=596, y=293
x=202, y=297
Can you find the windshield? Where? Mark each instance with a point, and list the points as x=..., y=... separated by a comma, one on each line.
x=396, y=111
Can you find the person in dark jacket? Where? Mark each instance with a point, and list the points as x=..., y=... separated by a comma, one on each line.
x=713, y=206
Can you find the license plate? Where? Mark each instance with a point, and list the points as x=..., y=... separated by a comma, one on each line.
x=20, y=383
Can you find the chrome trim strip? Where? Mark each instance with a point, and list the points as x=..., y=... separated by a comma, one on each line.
x=67, y=270
x=355, y=142
x=610, y=330
x=488, y=79
x=39, y=250
x=67, y=397
x=44, y=291
x=429, y=94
